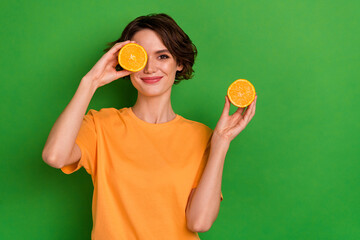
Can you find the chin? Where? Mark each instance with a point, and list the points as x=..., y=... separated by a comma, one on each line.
x=153, y=92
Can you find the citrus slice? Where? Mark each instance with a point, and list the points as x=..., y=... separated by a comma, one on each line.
x=241, y=93
x=132, y=57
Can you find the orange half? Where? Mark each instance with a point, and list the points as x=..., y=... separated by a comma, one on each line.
x=132, y=57
x=241, y=93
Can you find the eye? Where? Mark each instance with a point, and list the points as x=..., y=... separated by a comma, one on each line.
x=164, y=56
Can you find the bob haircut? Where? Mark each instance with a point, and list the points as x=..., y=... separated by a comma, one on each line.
x=174, y=38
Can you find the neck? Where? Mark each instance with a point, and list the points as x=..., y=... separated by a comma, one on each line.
x=154, y=109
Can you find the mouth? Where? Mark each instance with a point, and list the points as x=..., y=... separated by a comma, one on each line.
x=151, y=79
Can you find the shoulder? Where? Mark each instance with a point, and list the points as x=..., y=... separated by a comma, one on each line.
x=102, y=114
x=198, y=127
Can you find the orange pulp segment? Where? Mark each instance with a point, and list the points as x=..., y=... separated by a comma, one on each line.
x=132, y=57
x=241, y=93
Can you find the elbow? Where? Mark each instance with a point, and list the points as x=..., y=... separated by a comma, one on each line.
x=51, y=161
x=198, y=227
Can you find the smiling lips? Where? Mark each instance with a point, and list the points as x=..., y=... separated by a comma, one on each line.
x=151, y=79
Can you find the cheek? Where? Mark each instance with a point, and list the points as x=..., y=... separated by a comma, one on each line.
x=170, y=68
x=135, y=76
x=134, y=79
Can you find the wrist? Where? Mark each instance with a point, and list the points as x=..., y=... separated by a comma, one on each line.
x=89, y=83
x=219, y=141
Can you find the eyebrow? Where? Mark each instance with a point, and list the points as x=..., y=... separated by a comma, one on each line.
x=161, y=51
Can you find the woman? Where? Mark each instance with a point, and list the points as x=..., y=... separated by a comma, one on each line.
x=156, y=175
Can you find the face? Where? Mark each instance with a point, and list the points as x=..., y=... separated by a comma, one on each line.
x=160, y=63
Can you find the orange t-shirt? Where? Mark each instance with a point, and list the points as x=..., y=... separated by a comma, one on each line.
x=142, y=173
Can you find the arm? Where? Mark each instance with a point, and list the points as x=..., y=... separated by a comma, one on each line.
x=204, y=202
x=60, y=148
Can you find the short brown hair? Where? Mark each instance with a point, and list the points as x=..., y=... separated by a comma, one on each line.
x=174, y=38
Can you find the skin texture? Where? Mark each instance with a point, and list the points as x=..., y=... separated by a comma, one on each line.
x=153, y=102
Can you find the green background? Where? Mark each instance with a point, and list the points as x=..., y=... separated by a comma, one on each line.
x=293, y=173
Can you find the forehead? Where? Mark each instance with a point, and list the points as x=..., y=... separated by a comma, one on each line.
x=149, y=39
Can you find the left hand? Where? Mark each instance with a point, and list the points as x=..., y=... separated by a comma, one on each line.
x=228, y=127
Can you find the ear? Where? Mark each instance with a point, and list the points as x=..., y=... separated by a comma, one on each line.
x=179, y=68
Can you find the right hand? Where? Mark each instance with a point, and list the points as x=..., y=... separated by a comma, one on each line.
x=104, y=72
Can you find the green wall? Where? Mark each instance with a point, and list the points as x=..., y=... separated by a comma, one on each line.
x=293, y=173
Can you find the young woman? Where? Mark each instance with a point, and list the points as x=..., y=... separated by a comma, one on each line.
x=156, y=174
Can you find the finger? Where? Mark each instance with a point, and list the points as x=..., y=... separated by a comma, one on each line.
x=123, y=73
x=252, y=114
x=226, y=107
x=240, y=110
x=114, y=61
x=247, y=110
x=247, y=116
x=117, y=47
x=126, y=42
x=254, y=108
x=249, y=113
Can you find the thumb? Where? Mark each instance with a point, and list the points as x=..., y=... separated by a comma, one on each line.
x=226, y=106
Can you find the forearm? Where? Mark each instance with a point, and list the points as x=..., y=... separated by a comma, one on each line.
x=205, y=203
x=63, y=134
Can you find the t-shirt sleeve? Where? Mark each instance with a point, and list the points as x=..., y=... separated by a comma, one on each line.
x=87, y=142
x=204, y=162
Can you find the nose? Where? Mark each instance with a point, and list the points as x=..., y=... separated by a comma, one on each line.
x=149, y=67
